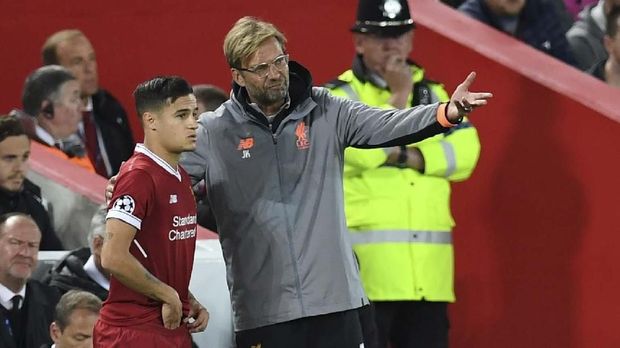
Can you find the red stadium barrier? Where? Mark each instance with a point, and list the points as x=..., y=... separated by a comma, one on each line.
x=536, y=236
x=79, y=181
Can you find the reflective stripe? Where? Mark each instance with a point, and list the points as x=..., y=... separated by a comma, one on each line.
x=448, y=151
x=401, y=236
x=350, y=92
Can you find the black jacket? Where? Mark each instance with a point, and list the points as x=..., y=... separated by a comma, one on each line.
x=598, y=70
x=112, y=121
x=539, y=26
x=68, y=274
x=28, y=201
x=38, y=314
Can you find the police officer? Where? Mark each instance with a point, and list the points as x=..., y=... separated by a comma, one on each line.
x=397, y=200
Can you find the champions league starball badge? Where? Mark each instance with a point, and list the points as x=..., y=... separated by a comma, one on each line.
x=391, y=8
x=125, y=204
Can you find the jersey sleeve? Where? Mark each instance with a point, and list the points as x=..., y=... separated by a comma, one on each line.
x=133, y=197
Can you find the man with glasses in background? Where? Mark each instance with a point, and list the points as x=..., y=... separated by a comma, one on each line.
x=271, y=158
x=272, y=161
x=26, y=305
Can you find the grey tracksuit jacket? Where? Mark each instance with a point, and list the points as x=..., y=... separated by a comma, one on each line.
x=276, y=194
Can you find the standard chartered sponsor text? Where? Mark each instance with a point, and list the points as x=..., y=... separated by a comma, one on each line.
x=180, y=221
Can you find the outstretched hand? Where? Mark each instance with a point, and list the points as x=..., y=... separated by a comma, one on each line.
x=463, y=102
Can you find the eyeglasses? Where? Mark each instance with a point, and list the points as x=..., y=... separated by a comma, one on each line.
x=262, y=70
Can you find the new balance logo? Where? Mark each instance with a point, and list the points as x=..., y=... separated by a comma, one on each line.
x=173, y=199
x=245, y=145
x=257, y=346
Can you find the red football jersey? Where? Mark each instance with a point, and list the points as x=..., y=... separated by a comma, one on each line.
x=158, y=201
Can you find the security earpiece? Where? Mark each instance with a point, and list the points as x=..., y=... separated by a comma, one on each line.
x=48, y=110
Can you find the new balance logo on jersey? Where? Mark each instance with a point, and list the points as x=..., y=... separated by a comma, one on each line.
x=173, y=199
x=245, y=145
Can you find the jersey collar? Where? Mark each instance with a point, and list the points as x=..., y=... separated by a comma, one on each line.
x=140, y=148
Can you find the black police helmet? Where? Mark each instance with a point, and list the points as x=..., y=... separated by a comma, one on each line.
x=389, y=18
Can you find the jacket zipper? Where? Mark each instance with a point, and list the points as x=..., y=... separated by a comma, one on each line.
x=289, y=232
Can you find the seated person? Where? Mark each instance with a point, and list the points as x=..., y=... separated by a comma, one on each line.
x=26, y=305
x=105, y=129
x=18, y=194
x=537, y=23
x=208, y=98
x=81, y=269
x=51, y=96
x=586, y=35
x=74, y=320
x=608, y=70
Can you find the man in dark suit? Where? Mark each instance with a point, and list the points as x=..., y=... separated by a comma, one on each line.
x=81, y=268
x=26, y=306
x=105, y=128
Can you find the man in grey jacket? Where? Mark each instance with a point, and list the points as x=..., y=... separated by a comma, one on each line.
x=586, y=35
x=272, y=160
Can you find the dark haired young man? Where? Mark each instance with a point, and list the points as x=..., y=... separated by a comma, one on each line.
x=151, y=229
x=17, y=193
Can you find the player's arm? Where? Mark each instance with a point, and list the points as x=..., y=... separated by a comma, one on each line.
x=198, y=313
x=116, y=258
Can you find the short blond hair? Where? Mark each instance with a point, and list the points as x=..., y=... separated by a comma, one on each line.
x=72, y=301
x=48, y=52
x=246, y=36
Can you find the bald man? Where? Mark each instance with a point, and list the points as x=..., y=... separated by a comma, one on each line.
x=26, y=306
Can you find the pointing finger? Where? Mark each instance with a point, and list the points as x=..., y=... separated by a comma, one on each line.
x=469, y=80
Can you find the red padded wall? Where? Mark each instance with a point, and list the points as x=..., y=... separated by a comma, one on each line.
x=136, y=40
x=537, y=236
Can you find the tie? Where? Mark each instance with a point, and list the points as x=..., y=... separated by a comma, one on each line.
x=71, y=146
x=16, y=300
x=14, y=315
x=92, y=145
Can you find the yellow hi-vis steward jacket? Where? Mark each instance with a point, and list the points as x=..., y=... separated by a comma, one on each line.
x=399, y=218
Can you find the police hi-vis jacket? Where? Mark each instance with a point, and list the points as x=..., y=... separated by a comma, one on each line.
x=399, y=218
x=276, y=193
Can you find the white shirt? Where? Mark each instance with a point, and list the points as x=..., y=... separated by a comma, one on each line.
x=93, y=272
x=87, y=108
x=44, y=135
x=6, y=295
